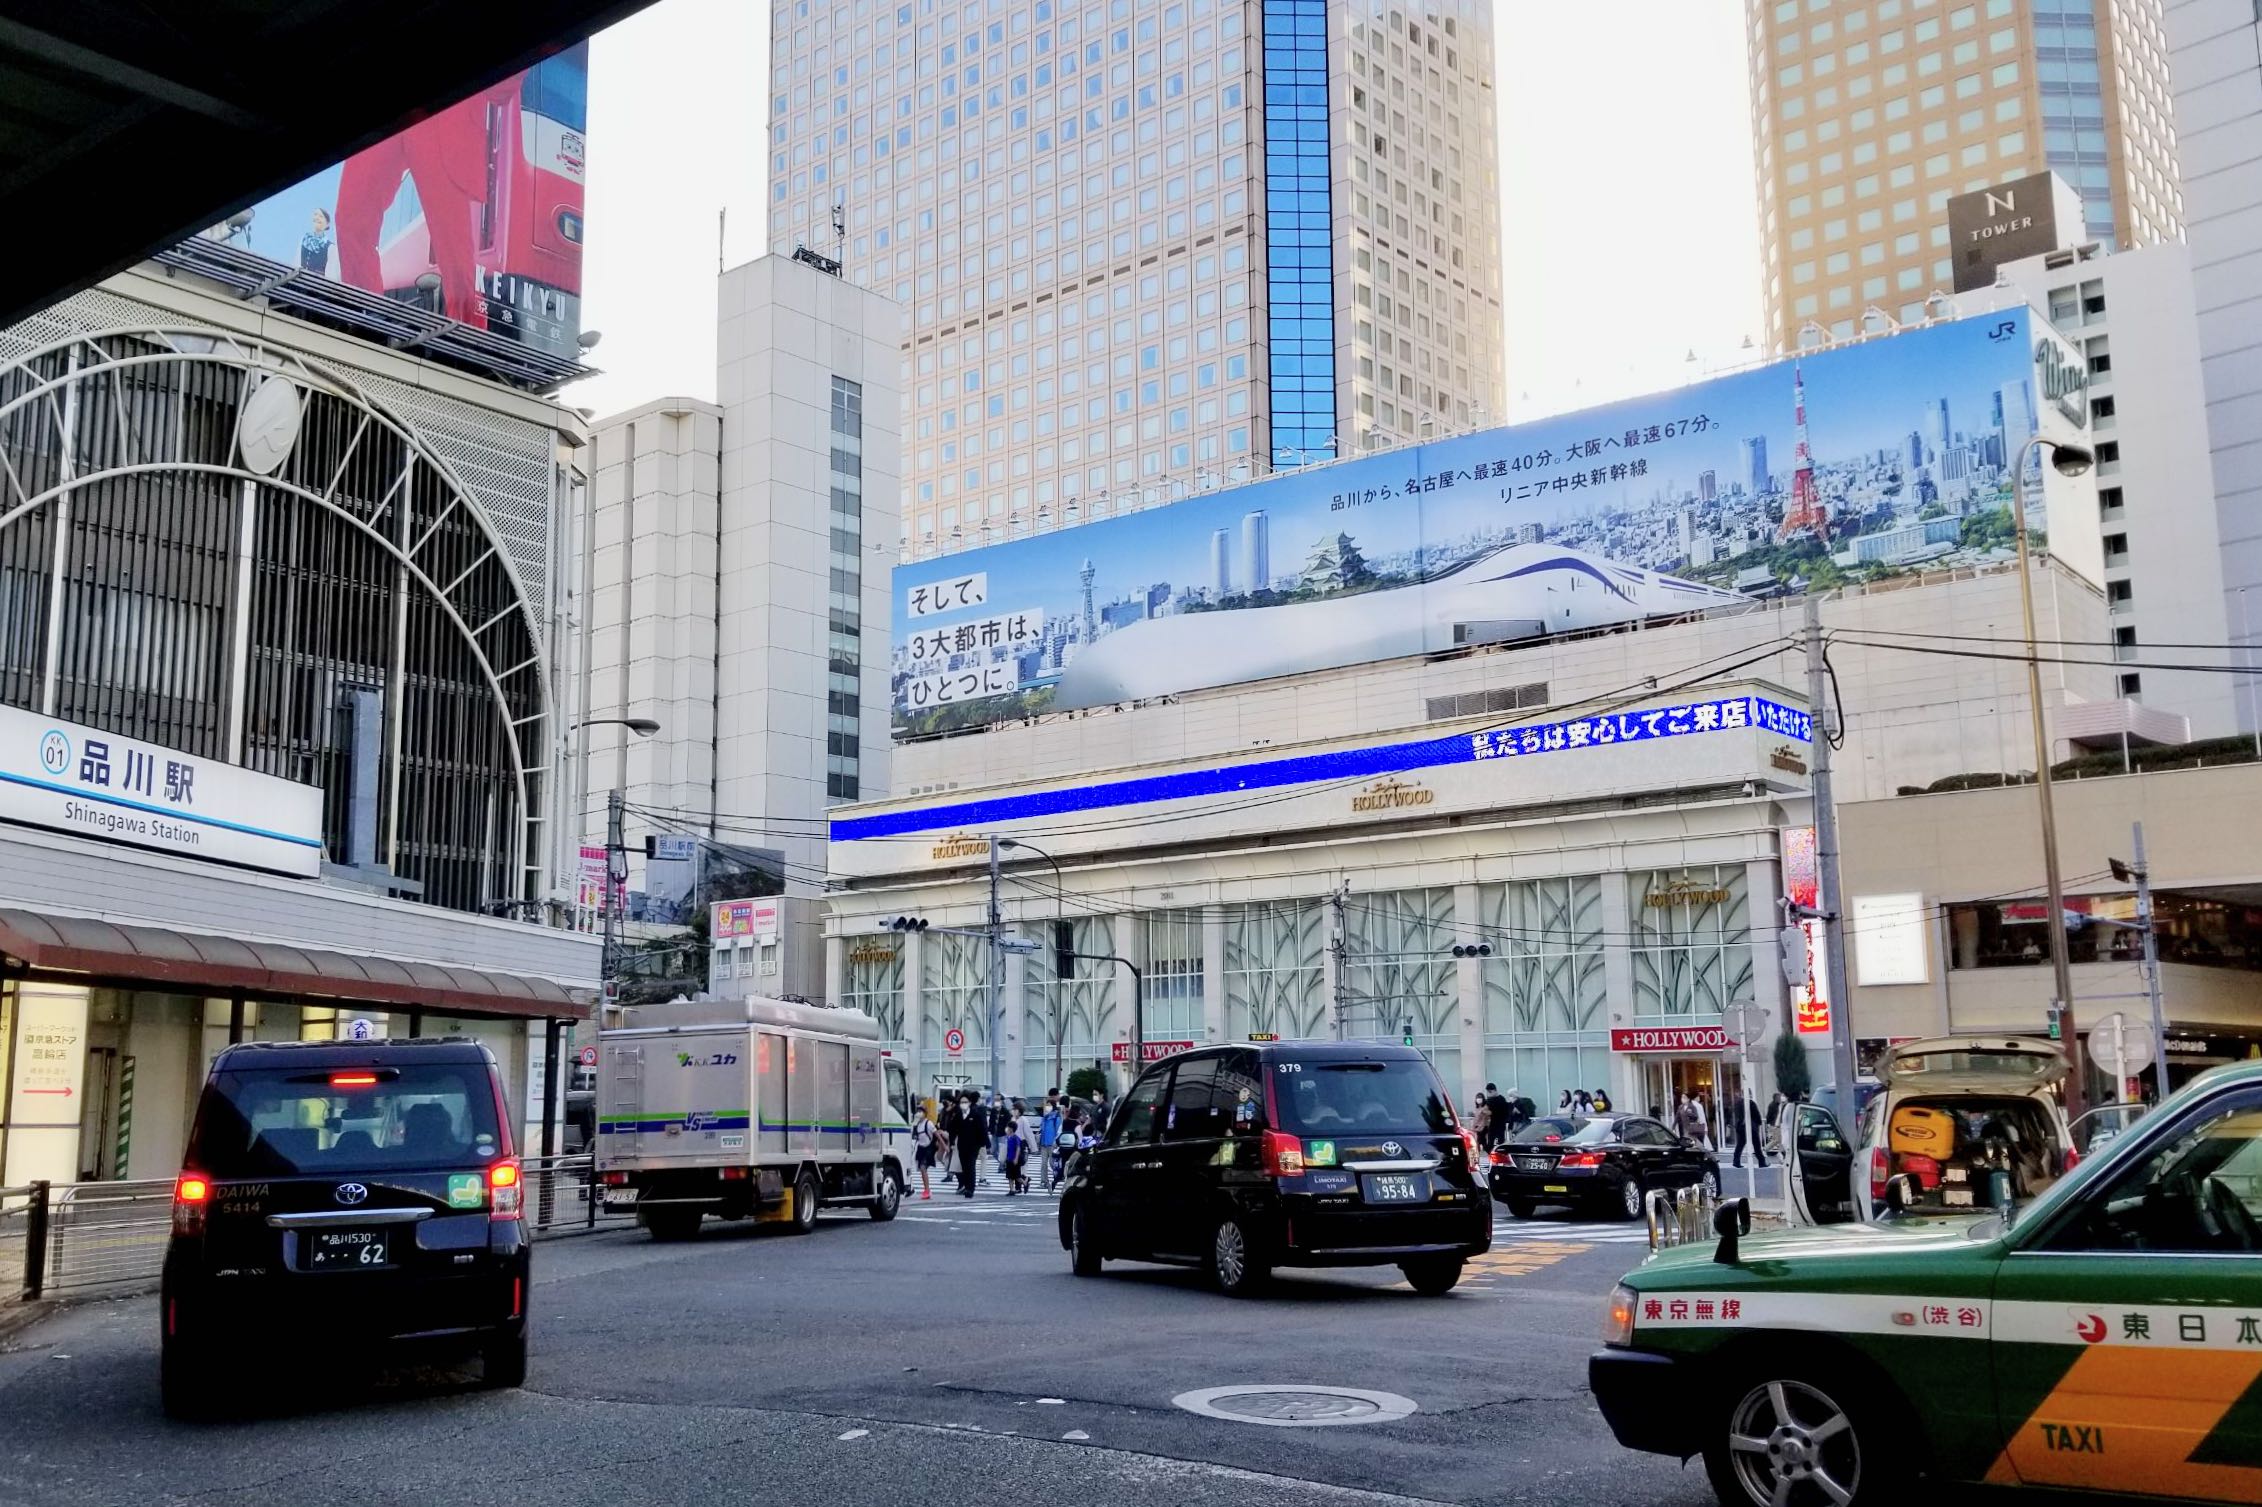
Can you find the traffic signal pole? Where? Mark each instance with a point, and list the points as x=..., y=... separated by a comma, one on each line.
x=997, y=966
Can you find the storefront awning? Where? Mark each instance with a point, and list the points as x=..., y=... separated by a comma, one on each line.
x=192, y=963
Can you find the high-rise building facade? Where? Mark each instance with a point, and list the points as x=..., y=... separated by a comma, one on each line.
x=1867, y=115
x=1147, y=248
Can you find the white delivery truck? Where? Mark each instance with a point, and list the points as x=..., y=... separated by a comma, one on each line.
x=748, y=1108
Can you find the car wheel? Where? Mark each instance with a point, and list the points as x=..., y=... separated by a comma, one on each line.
x=890, y=1195
x=1788, y=1439
x=806, y=1197
x=669, y=1224
x=1083, y=1256
x=1519, y=1208
x=1629, y=1202
x=1433, y=1277
x=1710, y=1183
x=1234, y=1263
x=502, y=1362
x=186, y=1386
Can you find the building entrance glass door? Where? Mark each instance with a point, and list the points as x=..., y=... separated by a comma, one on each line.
x=1666, y=1081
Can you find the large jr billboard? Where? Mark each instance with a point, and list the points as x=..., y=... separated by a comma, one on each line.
x=473, y=212
x=1843, y=465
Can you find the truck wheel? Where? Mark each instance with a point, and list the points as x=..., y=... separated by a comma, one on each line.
x=887, y=1197
x=669, y=1224
x=806, y=1196
x=1789, y=1436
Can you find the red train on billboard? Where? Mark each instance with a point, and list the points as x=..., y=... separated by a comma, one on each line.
x=474, y=212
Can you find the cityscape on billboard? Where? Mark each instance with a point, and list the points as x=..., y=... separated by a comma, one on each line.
x=1843, y=465
x=474, y=212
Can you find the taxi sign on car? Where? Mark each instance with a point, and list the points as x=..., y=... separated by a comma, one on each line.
x=2106, y=1337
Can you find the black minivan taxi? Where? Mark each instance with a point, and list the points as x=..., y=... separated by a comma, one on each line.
x=355, y=1198
x=1245, y=1158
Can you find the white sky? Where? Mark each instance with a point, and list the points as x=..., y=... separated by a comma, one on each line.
x=1629, y=228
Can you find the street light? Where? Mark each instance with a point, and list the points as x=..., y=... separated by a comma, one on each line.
x=2069, y=460
x=1060, y=919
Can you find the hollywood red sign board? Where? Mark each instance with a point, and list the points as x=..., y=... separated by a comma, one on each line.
x=1671, y=1039
x=1152, y=1051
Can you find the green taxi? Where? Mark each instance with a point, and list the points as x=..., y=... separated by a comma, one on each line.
x=2106, y=1337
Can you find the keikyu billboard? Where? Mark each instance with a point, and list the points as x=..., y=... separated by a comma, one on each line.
x=1841, y=465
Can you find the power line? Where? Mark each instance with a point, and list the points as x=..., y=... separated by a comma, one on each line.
x=2048, y=659
x=2070, y=643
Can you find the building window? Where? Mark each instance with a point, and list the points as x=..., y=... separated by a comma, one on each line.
x=1692, y=941
x=1274, y=973
x=1172, y=942
x=844, y=655
x=1299, y=232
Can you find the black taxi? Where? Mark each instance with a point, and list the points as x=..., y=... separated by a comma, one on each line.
x=354, y=1198
x=1244, y=1158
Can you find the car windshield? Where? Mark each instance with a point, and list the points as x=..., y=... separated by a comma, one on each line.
x=1568, y=1132
x=271, y=1122
x=1331, y=1098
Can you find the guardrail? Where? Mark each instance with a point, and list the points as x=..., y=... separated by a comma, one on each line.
x=90, y=1239
x=1679, y=1216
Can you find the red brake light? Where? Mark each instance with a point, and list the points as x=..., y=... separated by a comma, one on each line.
x=1582, y=1159
x=2068, y=1160
x=1283, y=1155
x=190, y=1196
x=353, y=1080
x=1499, y=1156
x=1469, y=1143
x=505, y=1195
x=1880, y=1172
x=614, y=1179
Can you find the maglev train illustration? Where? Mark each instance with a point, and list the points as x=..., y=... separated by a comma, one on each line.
x=1514, y=592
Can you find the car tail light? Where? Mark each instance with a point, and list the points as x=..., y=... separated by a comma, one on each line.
x=1500, y=1157
x=1880, y=1173
x=505, y=1193
x=1283, y=1155
x=518, y=1296
x=2068, y=1159
x=191, y=1196
x=1582, y=1159
x=1469, y=1145
x=730, y=1174
x=613, y=1179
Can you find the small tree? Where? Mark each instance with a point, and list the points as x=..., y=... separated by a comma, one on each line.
x=1791, y=1075
x=1085, y=1082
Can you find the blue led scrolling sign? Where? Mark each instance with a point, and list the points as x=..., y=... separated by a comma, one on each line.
x=1603, y=729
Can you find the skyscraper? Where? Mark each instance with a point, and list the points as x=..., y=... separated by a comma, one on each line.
x=1868, y=114
x=1140, y=248
x=1933, y=424
x=1755, y=466
x=1221, y=562
x=1256, y=550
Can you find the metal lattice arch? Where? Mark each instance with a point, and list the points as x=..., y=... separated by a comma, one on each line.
x=160, y=579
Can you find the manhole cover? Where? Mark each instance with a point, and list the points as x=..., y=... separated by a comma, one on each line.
x=1295, y=1406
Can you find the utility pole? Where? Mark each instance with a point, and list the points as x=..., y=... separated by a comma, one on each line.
x=616, y=874
x=1337, y=945
x=2142, y=873
x=996, y=930
x=1826, y=871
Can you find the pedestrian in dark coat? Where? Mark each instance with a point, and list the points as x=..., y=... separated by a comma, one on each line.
x=972, y=1136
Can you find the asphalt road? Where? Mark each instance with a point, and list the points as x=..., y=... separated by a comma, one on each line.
x=949, y=1355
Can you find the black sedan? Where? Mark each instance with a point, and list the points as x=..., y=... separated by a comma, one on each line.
x=1604, y=1162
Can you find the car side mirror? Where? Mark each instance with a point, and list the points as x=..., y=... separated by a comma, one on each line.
x=1902, y=1191
x=1731, y=1222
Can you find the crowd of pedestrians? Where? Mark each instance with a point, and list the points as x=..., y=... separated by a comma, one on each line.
x=1011, y=1131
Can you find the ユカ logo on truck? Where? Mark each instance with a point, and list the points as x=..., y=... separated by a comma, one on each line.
x=711, y=1059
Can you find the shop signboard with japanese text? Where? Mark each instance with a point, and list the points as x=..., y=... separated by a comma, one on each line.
x=83, y=780
x=1843, y=465
x=474, y=212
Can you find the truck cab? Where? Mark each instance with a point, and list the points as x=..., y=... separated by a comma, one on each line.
x=748, y=1108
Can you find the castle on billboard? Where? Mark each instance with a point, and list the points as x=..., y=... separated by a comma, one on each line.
x=1843, y=465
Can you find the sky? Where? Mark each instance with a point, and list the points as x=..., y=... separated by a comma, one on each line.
x=1629, y=226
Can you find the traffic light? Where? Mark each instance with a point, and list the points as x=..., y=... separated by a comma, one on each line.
x=1064, y=949
x=1792, y=939
x=908, y=923
x=2057, y=1021
x=1473, y=950
x=1408, y=1034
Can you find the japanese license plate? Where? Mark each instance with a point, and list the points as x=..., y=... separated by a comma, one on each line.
x=1535, y=1164
x=619, y=1197
x=359, y=1249
x=1394, y=1187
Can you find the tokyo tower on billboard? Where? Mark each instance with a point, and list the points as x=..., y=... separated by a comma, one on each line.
x=1804, y=512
